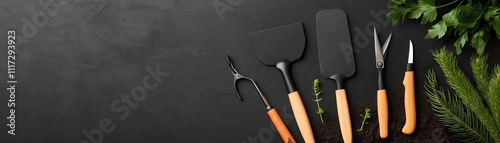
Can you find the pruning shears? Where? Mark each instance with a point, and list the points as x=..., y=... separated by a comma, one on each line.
x=382, y=103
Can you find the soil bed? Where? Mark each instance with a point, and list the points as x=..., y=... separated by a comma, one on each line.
x=428, y=130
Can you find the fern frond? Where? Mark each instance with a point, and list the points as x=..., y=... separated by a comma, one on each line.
x=480, y=72
x=494, y=95
x=459, y=119
x=465, y=90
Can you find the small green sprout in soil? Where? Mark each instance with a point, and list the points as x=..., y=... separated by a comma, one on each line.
x=316, y=93
x=365, y=116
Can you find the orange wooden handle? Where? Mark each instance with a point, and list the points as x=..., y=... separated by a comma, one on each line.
x=383, y=113
x=410, y=107
x=280, y=126
x=344, y=116
x=300, y=114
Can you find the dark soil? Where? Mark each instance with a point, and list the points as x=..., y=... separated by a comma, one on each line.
x=429, y=129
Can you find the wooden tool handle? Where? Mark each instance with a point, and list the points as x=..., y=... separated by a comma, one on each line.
x=410, y=107
x=280, y=126
x=344, y=116
x=300, y=114
x=383, y=113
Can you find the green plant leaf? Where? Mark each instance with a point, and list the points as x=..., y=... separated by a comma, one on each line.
x=425, y=9
x=397, y=13
x=496, y=26
x=320, y=111
x=492, y=12
x=437, y=31
x=367, y=113
x=479, y=40
x=451, y=18
x=492, y=15
x=461, y=42
x=470, y=14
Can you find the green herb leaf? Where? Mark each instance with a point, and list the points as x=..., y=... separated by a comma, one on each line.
x=367, y=113
x=397, y=13
x=461, y=42
x=320, y=111
x=492, y=12
x=437, y=30
x=496, y=26
x=479, y=40
x=426, y=8
x=470, y=13
x=451, y=18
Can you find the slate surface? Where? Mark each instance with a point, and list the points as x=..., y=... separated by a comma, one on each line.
x=74, y=68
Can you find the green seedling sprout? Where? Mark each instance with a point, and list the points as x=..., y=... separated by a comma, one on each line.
x=316, y=93
x=365, y=116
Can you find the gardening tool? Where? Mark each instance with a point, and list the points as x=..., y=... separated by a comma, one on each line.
x=279, y=47
x=336, y=60
x=271, y=111
x=382, y=103
x=410, y=107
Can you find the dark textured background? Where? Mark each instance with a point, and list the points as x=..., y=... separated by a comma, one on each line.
x=92, y=51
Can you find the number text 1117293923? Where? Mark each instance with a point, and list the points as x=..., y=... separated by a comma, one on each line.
x=11, y=87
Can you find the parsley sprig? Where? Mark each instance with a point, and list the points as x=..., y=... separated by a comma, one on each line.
x=470, y=21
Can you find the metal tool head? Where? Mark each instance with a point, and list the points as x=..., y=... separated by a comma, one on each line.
x=238, y=76
x=410, y=53
x=334, y=46
x=283, y=43
x=380, y=52
x=233, y=70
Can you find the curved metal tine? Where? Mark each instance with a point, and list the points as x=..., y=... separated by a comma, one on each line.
x=233, y=70
x=236, y=77
x=236, y=89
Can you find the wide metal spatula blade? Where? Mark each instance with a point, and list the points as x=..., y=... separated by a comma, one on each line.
x=284, y=43
x=334, y=44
